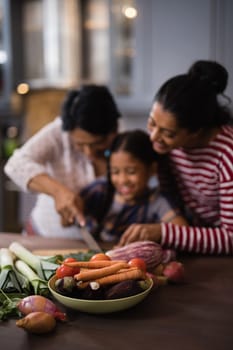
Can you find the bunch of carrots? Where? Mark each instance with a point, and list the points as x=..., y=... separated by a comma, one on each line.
x=105, y=272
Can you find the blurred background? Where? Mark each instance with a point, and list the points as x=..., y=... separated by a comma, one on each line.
x=50, y=46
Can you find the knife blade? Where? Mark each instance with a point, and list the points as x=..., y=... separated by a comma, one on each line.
x=89, y=239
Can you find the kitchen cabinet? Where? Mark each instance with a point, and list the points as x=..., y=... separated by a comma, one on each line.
x=10, y=204
x=135, y=55
x=10, y=108
x=133, y=46
x=5, y=54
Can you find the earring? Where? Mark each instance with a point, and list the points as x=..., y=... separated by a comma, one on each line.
x=107, y=153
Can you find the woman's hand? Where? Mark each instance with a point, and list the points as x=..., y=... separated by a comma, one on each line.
x=69, y=206
x=141, y=232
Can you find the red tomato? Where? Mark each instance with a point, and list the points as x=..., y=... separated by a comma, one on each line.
x=138, y=262
x=70, y=259
x=100, y=256
x=65, y=270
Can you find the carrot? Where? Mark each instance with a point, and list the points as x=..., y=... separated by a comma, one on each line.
x=132, y=273
x=94, y=264
x=93, y=274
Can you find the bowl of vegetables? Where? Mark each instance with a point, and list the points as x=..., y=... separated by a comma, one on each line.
x=101, y=301
x=100, y=285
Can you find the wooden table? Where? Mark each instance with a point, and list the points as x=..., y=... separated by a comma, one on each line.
x=197, y=315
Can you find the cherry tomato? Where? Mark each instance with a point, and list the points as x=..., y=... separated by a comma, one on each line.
x=100, y=256
x=138, y=262
x=70, y=259
x=65, y=270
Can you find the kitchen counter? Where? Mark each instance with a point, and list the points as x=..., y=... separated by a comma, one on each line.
x=197, y=315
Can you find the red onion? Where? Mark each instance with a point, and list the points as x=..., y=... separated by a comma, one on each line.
x=34, y=303
x=37, y=322
x=174, y=271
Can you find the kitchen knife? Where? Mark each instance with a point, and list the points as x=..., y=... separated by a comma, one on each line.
x=89, y=239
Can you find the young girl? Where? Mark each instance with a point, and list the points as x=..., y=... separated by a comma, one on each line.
x=125, y=196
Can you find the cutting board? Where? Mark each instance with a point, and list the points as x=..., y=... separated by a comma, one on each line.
x=50, y=252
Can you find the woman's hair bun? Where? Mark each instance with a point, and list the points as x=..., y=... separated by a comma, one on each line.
x=210, y=72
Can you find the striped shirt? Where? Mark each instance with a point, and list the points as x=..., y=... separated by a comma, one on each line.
x=204, y=177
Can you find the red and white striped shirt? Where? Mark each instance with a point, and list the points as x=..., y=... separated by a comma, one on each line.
x=204, y=177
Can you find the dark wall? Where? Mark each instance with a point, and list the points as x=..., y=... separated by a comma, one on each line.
x=17, y=43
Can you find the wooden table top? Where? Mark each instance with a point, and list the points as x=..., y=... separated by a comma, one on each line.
x=196, y=315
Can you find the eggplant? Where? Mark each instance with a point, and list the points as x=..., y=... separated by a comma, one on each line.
x=93, y=292
x=150, y=252
x=123, y=289
x=65, y=285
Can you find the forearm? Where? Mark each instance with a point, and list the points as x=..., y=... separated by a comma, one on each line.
x=32, y=158
x=43, y=183
x=21, y=169
x=202, y=240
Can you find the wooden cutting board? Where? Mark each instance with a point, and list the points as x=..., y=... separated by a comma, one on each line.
x=50, y=252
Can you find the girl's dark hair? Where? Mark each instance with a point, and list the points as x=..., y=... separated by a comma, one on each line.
x=193, y=97
x=91, y=108
x=138, y=144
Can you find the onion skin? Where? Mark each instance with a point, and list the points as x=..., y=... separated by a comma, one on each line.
x=33, y=303
x=37, y=322
x=174, y=271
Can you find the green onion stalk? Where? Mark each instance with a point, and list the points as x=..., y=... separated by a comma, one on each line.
x=44, y=268
x=11, y=280
x=39, y=285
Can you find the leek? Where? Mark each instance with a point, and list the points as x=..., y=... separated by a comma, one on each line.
x=39, y=285
x=42, y=267
x=11, y=281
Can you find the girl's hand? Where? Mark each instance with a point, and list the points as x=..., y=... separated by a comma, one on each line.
x=70, y=207
x=141, y=232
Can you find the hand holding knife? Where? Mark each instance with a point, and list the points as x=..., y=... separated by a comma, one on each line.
x=88, y=238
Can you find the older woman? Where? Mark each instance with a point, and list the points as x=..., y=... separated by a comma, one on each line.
x=63, y=157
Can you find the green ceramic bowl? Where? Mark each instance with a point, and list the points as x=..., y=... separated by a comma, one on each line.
x=98, y=306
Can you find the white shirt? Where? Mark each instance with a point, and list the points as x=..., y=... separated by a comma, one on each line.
x=50, y=151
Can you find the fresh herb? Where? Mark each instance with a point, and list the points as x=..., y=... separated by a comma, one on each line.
x=81, y=256
x=8, y=305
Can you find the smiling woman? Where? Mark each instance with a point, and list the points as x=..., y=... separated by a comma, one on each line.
x=191, y=128
x=164, y=131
